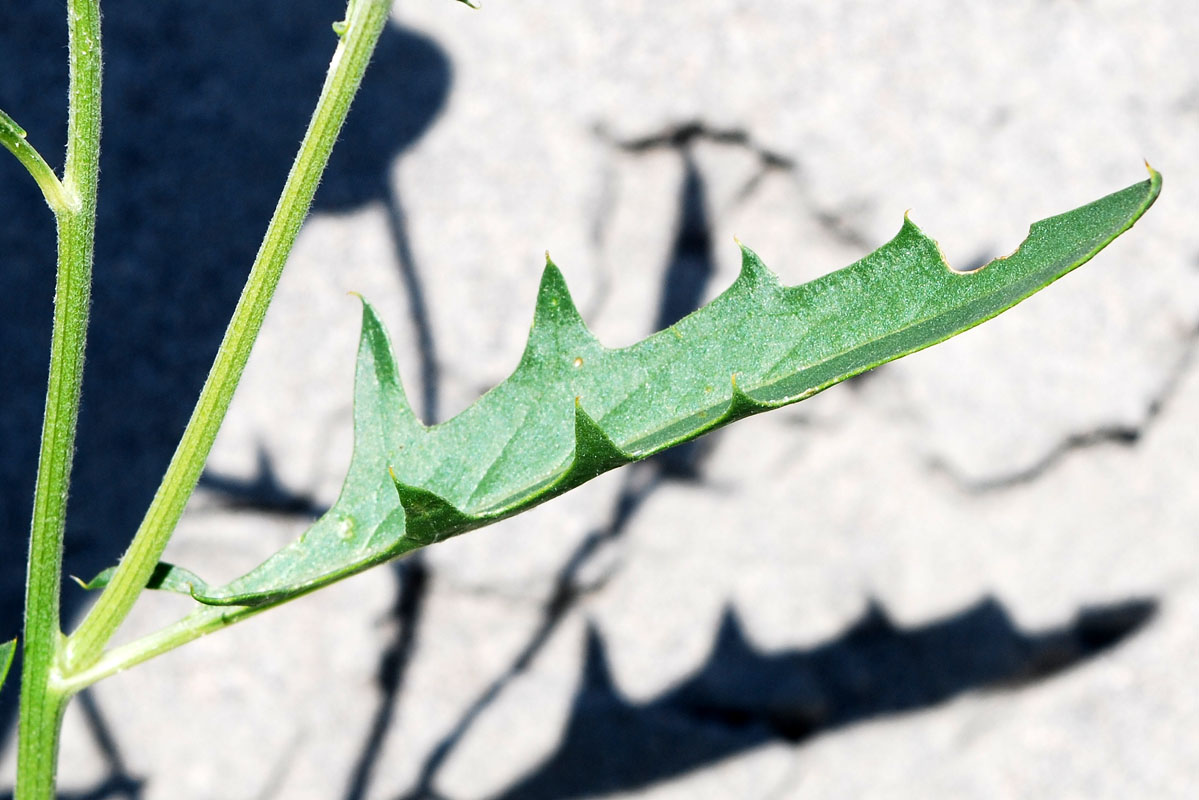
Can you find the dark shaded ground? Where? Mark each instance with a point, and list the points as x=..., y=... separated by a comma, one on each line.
x=741, y=697
x=205, y=103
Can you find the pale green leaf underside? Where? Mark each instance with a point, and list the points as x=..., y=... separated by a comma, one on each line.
x=7, y=650
x=574, y=409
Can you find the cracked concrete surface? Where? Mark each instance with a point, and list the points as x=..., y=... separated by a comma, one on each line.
x=1046, y=460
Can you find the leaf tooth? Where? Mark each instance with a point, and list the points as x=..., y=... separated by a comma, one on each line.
x=429, y=517
x=754, y=271
x=595, y=452
x=554, y=303
x=165, y=577
x=378, y=376
x=557, y=324
x=913, y=235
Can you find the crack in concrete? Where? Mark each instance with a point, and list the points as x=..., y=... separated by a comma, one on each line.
x=681, y=136
x=1120, y=435
x=836, y=222
x=582, y=588
x=277, y=778
x=680, y=139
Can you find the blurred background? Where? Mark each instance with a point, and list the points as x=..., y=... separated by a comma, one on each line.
x=970, y=573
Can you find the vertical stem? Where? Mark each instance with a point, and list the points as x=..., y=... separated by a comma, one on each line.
x=365, y=20
x=41, y=704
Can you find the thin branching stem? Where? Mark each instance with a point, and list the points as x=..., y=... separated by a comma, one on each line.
x=14, y=139
x=365, y=20
x=201, y=622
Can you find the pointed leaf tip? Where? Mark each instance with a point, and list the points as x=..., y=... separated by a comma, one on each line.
x=1155, y=184
x=555, y=306
x=165, y=577
x=557, y=324
x=377, y=374
x=370, y=317
x=909, y=224
x=754, y=271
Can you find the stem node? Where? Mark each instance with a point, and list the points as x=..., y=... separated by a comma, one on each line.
x=15, y=140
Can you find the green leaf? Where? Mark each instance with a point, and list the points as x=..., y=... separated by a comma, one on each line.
x=7, y=650
x=167, y=577
x=574, y=409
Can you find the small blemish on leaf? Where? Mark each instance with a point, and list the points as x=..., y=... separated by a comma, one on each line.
x=578, y=362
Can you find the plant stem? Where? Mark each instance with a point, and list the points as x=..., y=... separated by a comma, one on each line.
x=201, y=622
x=365, y=20
x=41, y=704
x=12, y=136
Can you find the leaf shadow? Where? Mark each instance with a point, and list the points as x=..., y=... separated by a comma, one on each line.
x=742, y=697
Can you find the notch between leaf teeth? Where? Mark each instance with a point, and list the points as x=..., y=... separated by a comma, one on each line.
x=595, y=452
x=429, y=517
x=741, y=404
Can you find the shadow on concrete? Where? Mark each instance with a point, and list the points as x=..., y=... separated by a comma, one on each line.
x=205, y=103
x=741, y=697
x=119, y=782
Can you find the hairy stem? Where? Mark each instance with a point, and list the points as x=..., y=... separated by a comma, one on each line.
x=41, y=704
x=12, y=137
x=365, y=20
